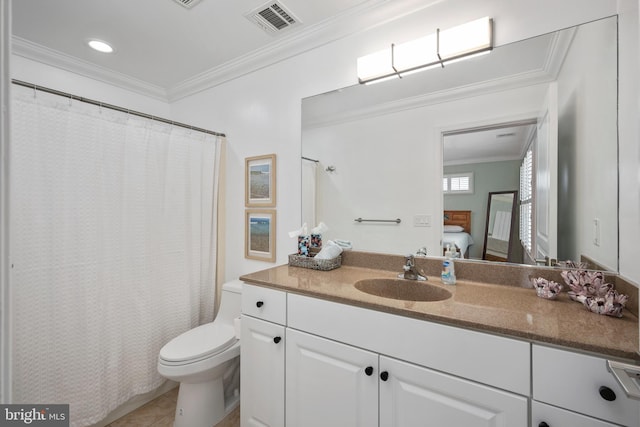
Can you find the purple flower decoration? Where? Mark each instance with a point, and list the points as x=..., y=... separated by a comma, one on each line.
x=589, y=288
x=547, y=289
x=611, y=304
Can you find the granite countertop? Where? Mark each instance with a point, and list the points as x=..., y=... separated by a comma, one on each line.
x=506, y=310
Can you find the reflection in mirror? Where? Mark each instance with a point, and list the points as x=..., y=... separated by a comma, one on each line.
x=387, y=147
x=493, y=156
x=500, y=231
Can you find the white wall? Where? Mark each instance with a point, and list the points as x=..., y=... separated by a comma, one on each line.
x=55, y=78
x=629, y=137
x=587, y=105
x=260, y=112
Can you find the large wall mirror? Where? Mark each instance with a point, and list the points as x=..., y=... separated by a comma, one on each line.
x=541, y=112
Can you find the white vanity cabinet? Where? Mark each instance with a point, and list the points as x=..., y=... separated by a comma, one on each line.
x=311, y=362
x=334, y=384
x=581, y=384
x=344, y=369
x=262, y=357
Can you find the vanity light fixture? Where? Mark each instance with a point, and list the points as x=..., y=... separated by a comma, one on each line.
x=100, y=46
x=447, y=46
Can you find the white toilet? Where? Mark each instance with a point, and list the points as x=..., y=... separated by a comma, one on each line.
x=206, y=362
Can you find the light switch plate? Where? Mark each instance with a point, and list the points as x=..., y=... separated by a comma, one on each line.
x=422, y=220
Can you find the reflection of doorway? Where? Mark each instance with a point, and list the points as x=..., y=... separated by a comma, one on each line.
x=493, y=155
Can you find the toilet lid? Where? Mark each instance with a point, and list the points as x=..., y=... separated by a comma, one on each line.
x=199, y=342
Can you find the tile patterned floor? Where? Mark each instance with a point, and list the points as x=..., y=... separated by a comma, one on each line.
x=160, y=413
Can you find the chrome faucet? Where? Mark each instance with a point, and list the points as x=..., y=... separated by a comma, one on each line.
x=410, y=270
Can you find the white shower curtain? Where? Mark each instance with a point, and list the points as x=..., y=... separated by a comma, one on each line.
x=113, y=249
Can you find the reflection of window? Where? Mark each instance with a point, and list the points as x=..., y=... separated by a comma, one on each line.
x=526, y=200
x=460, y=183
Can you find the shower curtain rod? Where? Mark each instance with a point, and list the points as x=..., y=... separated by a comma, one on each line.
x=113, y=107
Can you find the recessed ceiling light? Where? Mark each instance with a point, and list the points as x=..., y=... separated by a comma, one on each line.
x=100, y=46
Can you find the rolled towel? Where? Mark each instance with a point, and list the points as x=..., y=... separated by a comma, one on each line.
x=330, y=250
x=344, y=244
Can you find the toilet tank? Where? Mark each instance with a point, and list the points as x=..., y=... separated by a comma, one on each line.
x=230, y=302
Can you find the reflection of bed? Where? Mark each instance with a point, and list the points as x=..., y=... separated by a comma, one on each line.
x=461, y=240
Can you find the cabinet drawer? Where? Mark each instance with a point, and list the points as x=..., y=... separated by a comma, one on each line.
x=578, y=382
x=548, y=416
x=264, y=303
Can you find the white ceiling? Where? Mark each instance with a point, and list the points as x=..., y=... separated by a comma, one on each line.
x=168, y=50
x=497, y=144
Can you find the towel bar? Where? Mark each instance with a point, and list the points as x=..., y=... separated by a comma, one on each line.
x=397, y=220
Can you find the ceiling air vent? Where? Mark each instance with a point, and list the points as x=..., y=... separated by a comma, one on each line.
x=273, y=17
x=187, y=3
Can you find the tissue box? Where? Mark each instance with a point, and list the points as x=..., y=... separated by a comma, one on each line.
x=316, y=240
x=304, y=242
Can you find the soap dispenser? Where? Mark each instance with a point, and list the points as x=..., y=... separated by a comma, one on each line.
x=448, y=275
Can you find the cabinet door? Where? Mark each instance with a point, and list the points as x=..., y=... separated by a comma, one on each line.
x=414, y=396
x=549, y=416
x=262, y=374
x=329, y=384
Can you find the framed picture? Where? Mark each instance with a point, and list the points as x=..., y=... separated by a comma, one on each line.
x=260, y=181
x=260, y=230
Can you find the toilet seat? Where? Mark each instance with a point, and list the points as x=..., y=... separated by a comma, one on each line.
x=198, y=343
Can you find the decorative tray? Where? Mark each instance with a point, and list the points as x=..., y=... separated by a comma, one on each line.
x=296, y=260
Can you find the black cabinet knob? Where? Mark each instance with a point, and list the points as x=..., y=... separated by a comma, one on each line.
x=607, y=394
x=259, y=304
x=543, y=424
x=368, y=370
x=384, y=375
x=277, y=339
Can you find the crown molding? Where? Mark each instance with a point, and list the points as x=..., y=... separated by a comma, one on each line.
x=36, y=52
x=558, y=50
x=506, y=83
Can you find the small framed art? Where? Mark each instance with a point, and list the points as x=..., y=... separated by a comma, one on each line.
x=260, y=181
x=260, y=230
